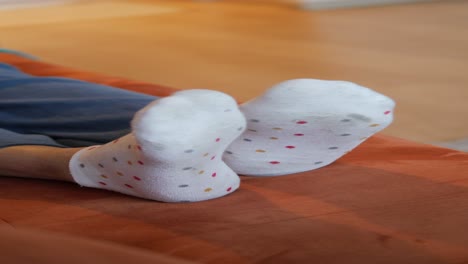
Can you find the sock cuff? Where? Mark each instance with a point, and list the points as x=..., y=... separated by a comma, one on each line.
x=75, y=170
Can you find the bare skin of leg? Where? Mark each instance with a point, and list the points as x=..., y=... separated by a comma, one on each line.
x=36, y=162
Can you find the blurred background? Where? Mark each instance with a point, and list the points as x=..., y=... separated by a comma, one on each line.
x=413, y=51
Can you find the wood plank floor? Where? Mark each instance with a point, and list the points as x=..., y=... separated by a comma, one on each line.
x=414, y=53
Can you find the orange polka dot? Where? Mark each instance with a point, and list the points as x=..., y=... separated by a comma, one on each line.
x=130, y=163
x=119, y=173
x=260, y=150
x=201, y=172
x=273, y=138
x=104, y=176
x=208, y=190
x=374, y=125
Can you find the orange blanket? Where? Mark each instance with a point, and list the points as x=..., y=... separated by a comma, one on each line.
x=388, y=201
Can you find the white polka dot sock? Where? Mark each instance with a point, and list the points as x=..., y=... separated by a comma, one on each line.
x=173, y=153
x=305, y=124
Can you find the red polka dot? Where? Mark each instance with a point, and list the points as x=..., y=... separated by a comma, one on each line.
x=218, y=139
x=139, y=147
x=301, y=122
x=214, y=174
x=229, y=189
x=212, y=158
x=298, y=135
x=129, y=186
x=387, y=112
x=141, y=162
x=274, y=162
x=102, y=183
x=137, y=178
x=290, y=147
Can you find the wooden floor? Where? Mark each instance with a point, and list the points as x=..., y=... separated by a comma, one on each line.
x=414, y=53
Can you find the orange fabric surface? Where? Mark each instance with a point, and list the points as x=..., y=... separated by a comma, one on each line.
x=388, y=201
x=33, y=247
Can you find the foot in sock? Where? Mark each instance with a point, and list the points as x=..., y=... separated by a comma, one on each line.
x=173, y=153
x=305, y=124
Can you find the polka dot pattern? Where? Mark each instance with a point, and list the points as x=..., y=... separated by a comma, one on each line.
x=294, y=134
x=197, y=173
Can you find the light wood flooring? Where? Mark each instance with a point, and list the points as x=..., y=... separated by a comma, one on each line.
x=414, y=53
